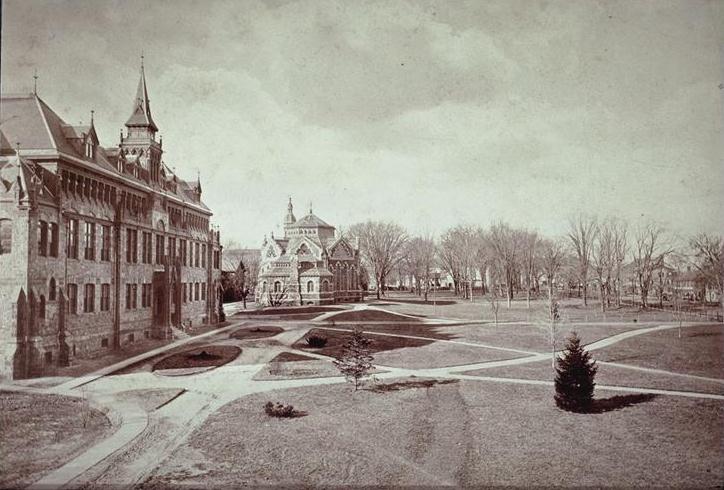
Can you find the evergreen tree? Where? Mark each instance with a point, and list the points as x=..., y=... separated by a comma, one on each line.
x=356, y=361
x=575, y=372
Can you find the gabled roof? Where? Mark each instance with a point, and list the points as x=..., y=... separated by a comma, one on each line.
x=310, y=221
x=141, y=114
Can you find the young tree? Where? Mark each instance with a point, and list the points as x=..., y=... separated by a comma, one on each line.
x=575, y=375
x=551, y=257
x=382, y=246
x=356, y=360
x=582, y=233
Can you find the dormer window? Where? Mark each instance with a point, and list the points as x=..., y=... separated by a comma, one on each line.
x=89, y=148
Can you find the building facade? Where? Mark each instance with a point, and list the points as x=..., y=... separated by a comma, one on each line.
x=310, y=265
x=99, y=247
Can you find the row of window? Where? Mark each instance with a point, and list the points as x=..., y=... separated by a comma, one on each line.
x=193, y=291
x=192, y=254
x=89, y=298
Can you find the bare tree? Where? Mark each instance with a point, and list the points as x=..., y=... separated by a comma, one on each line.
x=619, y=229
x=277, y=297
x=420, y=259
x=449, y=258
x=649, y=252
x=529, y=243
x=708, y=252
x=504, y=243
x=602, y=260
x=458, y=247
x=551, y=259
x=582, y=233
x=382, y=246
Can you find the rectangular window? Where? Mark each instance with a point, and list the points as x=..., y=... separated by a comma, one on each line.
x=184, y=293
x=71, y=248
x=160, y=248
x=145, y=295
x=146, y=248
x=131, y=246
x=196, y=254
x=42, y=238
x=105, y=242
x=203, y=291
x=131, y=296
x=104, y=342
x=172, y=248
x=105, y=297
x=182, y=251
x=54, y=239
x=90, y=241
x=196, y=291
x=203, y=256
x=89, y=299
x=72, y=290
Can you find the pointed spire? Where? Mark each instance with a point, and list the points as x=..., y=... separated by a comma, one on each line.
x=92, y=114
x=141, y=115
x=310, y=207
x=198, y=181
x=35, y=82
x=290, y=218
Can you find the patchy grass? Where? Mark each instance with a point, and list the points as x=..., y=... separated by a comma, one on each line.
x=411, y=384
x=607, y=375
x=42, y=432
x=440, y=354
x=400, y=328
x=336, y=341
x=699, y=351
x=207, y=356
x=464, y=434
x=369, y=316
x=149, y=399
x=292, y=357
x=260, y=332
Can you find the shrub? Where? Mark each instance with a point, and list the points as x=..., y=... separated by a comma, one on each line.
x=279, y=410
x=316, y=341
x=575, y=372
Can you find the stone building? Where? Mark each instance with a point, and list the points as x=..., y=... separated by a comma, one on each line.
x=310, y=265
x=99, y=246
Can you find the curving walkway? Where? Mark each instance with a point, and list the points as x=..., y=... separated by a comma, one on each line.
x=143, y=438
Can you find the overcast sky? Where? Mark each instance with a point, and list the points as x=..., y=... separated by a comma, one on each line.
x=429, y=114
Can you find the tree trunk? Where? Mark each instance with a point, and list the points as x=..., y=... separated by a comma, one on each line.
x=603, y=298
x=585, y=293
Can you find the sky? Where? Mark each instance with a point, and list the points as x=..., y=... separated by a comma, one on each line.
x=425, y=113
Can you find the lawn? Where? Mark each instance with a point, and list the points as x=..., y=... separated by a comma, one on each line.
x=439, y=354
x=336, y=341
x=699, y=351
x=607, y=375
x=369, y=316
x=42, y=432
x=466, y=433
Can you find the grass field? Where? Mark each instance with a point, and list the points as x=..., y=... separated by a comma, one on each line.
x=258, y=332
x=466, y=433
x=699, y=351
x=40, y=433
x=607, y=375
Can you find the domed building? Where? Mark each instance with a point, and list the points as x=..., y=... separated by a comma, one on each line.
x=310, y=265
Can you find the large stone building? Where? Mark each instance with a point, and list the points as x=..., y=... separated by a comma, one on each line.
x=99, y=247
x=311, y=264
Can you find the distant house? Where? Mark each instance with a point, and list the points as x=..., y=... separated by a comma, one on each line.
x=238, y=266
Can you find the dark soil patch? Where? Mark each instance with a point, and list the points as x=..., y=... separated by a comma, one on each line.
x=207, y=356
x=410, y=385
x=423, y=302
x=369, y=316
x=292, y=357
x=336, y=341
x=256, y=332
x=414, y=329
x=290, y=310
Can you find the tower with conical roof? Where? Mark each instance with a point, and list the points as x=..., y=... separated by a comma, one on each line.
x=140, y=145
x=289, y=219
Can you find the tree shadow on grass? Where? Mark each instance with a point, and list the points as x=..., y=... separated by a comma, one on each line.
x=618, y=402
x=409, y=385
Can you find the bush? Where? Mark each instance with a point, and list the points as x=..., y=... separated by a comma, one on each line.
x=575, y=372
x=279, y=410
x=316, y=341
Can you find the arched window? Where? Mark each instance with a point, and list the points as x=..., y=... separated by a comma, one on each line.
x=51, y=289
x=263, y=286
x=310, y=287
x=325, y=286
x=41, y=307
x=6, y=236
x=277, y=287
